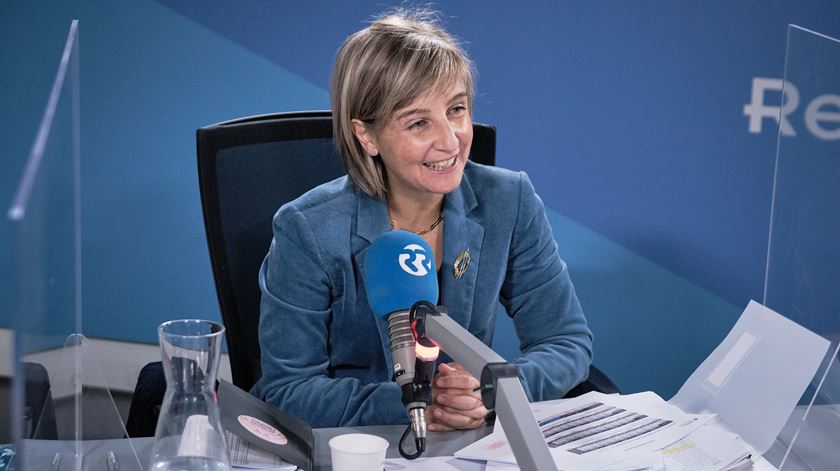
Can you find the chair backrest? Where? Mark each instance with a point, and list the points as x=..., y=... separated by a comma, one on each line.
x=247, y=169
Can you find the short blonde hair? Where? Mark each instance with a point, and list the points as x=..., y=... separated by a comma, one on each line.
x=383, y=68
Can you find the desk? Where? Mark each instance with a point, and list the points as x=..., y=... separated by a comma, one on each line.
x=40, y=453
x=817, y=446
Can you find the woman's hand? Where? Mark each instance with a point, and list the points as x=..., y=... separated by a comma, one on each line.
x=455, y=403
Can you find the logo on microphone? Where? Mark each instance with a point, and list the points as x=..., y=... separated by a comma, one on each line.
x=414, y=260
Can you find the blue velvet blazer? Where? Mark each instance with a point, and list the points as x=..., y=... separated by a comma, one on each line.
x=326, y=356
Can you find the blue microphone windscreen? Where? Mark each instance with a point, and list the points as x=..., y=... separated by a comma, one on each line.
x=399, y=271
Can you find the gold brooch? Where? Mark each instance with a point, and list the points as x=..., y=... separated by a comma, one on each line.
x=461, y=264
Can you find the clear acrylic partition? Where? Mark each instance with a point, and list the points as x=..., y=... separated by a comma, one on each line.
x=803, y=263
x=58, y=386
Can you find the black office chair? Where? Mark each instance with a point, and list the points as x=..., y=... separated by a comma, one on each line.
x=247, y=169
x=39, y=413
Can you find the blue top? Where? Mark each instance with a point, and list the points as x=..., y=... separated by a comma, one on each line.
x=325, y=354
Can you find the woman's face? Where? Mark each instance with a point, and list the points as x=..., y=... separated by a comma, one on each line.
x=424, y=145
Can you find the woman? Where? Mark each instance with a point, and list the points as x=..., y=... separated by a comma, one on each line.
x=402, y=94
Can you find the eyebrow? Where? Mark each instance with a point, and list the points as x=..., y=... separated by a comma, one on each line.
x=458, y=97
x=412, y=111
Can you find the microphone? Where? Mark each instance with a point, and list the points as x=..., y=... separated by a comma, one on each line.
x=399, y=274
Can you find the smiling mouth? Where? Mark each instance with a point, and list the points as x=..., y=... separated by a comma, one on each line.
x=443, y=164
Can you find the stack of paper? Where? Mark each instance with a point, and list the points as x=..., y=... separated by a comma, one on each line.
x=642, y=432
x=708, y=448
x=618, y=433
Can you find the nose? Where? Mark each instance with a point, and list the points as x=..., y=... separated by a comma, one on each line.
x=446, y=139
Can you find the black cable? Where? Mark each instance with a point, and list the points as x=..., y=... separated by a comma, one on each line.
x=420, y=443
x=421, y=304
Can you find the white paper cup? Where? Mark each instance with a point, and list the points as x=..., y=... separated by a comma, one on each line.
x=358, y=452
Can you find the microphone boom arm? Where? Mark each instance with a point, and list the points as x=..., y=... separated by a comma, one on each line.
x=500, y=387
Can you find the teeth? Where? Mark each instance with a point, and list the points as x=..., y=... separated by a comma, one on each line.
x=441, y=165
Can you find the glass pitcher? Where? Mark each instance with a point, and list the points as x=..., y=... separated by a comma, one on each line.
x=189, y=433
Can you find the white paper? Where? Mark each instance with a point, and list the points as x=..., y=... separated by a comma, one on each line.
x=438, y=463
x=595, y=430
x=706, y=449
x=498, y=466
x=649, y=462
x=755, y=377
x=245, y=456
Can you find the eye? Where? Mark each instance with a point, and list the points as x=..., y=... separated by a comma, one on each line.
x=457, y=110
x=417, y=125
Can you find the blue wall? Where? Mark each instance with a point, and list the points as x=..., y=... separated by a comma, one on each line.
x=628, y=116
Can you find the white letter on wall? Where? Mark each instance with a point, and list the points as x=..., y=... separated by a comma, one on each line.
x=757, y=110
x=815, y=113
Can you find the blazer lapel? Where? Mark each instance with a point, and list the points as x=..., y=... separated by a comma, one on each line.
x=371, y=222
x=461, y=236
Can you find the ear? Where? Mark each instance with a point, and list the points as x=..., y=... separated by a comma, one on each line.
x=365, y=136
